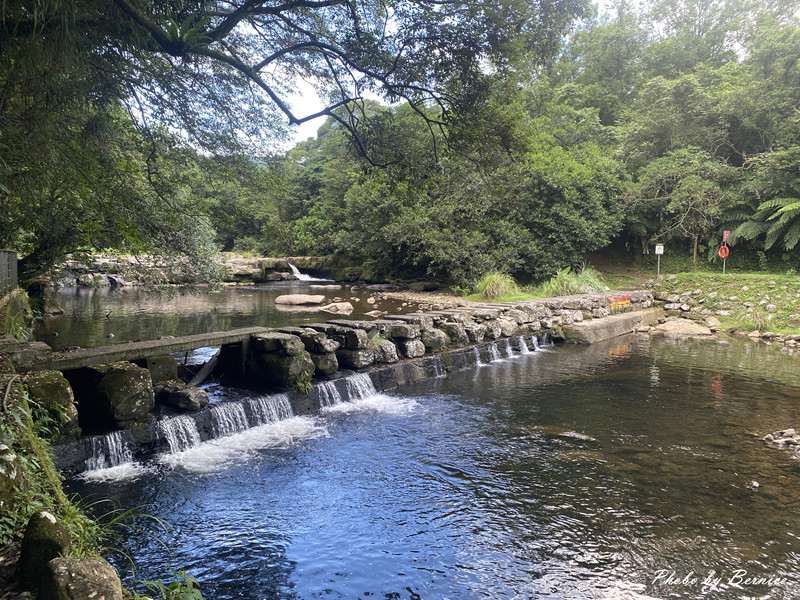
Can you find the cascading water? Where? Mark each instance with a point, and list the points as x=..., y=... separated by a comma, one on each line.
x=478, y=360
x=228, y=418
x=546, y=341
x=109, y=450
x=179, y=432
x=438, y=368
x=328, y=394
x=507, y=348
x=360, y=386
x=494, y=353
x=302, y=276
x=535, y=342
x=269, y=409
x=523, y=345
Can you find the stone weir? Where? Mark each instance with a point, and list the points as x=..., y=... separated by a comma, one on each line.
x=135, y=403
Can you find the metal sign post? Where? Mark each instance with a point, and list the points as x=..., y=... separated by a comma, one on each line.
x=659, y=252
x=724, y=250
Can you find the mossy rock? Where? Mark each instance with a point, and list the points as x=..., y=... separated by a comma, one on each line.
x=45, y=538
x=126, y=390
x=70, y=578
x=285, y=372
x=51, y=391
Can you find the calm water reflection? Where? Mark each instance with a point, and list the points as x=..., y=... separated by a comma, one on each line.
x=103, y=316
x=576, y=473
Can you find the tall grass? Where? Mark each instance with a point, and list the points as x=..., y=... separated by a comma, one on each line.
x=495, y=285
x=567, y=282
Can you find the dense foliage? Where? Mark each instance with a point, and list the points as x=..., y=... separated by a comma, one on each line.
x=515, y=137
x=627, y=136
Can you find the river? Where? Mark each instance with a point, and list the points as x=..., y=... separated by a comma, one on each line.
x=625, y=469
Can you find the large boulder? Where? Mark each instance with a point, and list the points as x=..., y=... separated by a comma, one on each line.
x=162, y=368
x=51, y=391
x=126, y=391
x=493, y=329
x=70, y=578
x=355, y=359
x=316, y=342
x=45, y=538
x=434, y=339
x=412, y=348
x=177, y=394
x=682, y=328
x=456, y=333
x=325, y=364
x=282, y=343
x=349, y=338
x=338, y=308
x=300, y=299
x=385, y=352
x=283, y=370
x=475, y=332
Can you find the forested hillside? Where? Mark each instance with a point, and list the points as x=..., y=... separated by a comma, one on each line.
x=667, y=122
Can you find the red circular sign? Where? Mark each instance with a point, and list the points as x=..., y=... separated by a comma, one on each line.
x=724, y=251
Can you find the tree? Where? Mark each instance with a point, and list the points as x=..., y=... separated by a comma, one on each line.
x=777, y=182
x=679, y=195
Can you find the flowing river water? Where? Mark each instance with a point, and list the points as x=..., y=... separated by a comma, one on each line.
x=626, y=469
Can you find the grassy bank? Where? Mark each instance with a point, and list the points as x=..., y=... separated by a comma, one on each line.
x=741, y=301
x=499, y=287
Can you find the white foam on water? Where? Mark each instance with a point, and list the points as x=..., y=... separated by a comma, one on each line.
x=123, y=472
x=303, y=277
x=109, y=450
x=217, y=454
x=363, y=397
x=380, y=403
x=523, y=346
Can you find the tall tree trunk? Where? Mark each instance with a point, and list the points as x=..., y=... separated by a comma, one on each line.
x=694, y=251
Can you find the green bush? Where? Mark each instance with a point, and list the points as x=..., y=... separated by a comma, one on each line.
x=567, y=282
x=495, y=285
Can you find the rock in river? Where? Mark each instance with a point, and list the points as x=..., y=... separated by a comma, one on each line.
x=300, y=299
x=682, y=328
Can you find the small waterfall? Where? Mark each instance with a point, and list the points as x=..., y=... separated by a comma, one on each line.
x=546, y=341
x=228, y=418
x=438, y=369
x=328, y=394
x=301, y=276
x=507, y=348
x=478, y=360
x=180, y=433
x=109, y=450
x=304, y=277
x=359, y=386
x=494, y=353
x=523, y=346
x=269, y=409
x=535, y=342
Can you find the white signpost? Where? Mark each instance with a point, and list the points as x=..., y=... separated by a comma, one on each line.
x=659, y=252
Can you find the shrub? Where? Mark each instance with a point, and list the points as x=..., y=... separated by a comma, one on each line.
x=567, y=282
x=494, y=285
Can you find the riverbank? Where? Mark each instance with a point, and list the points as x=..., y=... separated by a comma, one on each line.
x=761, y=306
